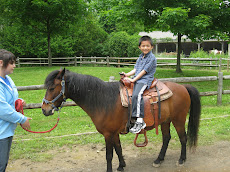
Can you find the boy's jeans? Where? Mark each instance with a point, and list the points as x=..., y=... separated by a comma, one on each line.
x=137, y=100
x=5, y=145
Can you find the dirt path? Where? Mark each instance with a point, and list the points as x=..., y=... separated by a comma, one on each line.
x=214, y=158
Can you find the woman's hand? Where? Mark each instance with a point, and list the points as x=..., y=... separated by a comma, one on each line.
x=23, y=103
x=26, y=124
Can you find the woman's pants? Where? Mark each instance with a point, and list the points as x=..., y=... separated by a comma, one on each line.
x=5, y=145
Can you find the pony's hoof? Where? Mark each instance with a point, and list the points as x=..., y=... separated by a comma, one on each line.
x=156, y=165
x=120, y=169
x=180, y=163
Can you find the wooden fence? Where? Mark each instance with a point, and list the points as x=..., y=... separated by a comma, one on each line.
x=219, y=92
x=124, y=61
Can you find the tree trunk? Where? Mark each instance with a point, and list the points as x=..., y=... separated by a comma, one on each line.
x=178, y=69
x=49, y=51
x=49, y=44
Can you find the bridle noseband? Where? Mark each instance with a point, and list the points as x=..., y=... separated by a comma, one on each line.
x=62, y=93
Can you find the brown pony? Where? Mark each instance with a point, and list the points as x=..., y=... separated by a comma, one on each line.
x=101, y=101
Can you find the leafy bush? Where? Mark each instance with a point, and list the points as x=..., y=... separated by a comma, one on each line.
x=199, y=54
x=82, y=39
x=133, y=50
x=23, y=41
x=121, y=44
x=204, y=54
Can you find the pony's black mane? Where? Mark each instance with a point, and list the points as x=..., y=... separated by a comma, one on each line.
x=88, y=91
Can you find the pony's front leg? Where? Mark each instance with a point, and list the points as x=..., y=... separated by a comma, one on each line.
x=109, y=152
x=118, y=149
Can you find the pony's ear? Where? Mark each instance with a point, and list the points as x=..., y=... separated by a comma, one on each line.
x=61, y=73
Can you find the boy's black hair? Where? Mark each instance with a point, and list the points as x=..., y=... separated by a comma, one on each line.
x=7, y=57
x=145, y=38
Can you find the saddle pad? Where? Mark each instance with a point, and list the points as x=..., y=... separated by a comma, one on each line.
x=163, y=89
x=124, y=98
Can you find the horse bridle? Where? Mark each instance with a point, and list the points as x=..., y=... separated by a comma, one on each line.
x=62, y=93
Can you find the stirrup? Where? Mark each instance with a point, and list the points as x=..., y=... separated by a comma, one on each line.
x=143, y=131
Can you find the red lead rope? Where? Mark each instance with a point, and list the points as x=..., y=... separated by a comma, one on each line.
x=19, y=108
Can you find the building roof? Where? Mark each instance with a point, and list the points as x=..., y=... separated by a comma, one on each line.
x=160, y=35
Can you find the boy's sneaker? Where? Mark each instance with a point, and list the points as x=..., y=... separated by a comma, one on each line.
x=137, y=127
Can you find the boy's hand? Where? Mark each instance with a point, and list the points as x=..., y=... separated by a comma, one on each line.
x=122, y=74
x=130, y=79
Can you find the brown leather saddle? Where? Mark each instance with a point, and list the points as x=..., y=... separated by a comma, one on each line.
x=152, y=99
x=152, y=93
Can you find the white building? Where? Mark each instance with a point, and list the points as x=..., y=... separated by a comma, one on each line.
x=167, y=42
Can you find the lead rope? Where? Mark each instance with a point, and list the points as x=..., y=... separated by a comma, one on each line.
x=19, y=108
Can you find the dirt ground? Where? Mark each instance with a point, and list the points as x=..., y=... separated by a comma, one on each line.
x=213, y=158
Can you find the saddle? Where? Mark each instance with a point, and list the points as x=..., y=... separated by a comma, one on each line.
x=151, y=93
x=153, y=96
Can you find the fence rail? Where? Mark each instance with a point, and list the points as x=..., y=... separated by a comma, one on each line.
x=124, y=61
x=219, y=91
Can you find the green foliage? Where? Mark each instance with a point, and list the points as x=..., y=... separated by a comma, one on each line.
x=27, y=36
x=52, y=16
x=133, y=50
x=173, y=19
x=117, y=44
x=199, y=54
x=131, y=27
x=62, y=46
x=84, y=38
x=198, y=24
x=120, y=44
x=88, y=37
x=117, y=15
x=47, y=18
x=204, y=54
x=22, y=41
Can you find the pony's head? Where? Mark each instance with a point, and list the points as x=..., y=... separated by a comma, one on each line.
x=55, y=92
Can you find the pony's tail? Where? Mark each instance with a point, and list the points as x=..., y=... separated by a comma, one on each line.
x=194, y=118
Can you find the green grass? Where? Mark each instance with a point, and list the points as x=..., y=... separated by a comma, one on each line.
x=74, y=120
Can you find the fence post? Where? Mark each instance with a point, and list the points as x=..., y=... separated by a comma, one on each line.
x=75, y=61
x=228, y=66
x=94, y=61
x=80, y=60
x=18, y=59
x=119, y=61
x=210, y=63
x=228, y=56
x=220, y=64
x=220, y=88
x=107, y=60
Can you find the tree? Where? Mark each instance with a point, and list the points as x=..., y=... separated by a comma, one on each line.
x=184, y=17
x=88, y=38
x=112, y=16
x=49, y=17
x=15, y=39
x=172, y=19
x=220, y=18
